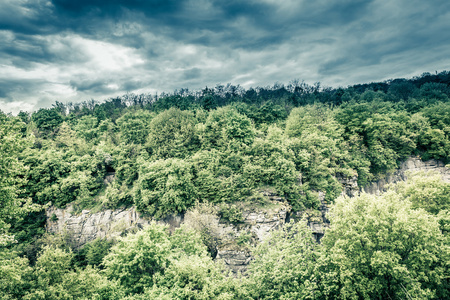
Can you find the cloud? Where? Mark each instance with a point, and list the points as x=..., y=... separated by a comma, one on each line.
x=77, y=50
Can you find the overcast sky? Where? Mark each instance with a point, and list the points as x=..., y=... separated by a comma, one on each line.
x=76, y=50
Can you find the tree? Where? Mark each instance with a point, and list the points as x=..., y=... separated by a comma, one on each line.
x=378, y=247
x=209, y=102
x=134, y=126
x=15, y=275
x=137, y=260
x=12, y=170
x=226, y=127
x=47, y=120
x=284, y=264
x=86, y=128
x=55, y=278
x=271, y=163
x=383, y=132
x=172, y=133
x=191, y=277
x=321, y=153
x=164, y=187
x=425, y=190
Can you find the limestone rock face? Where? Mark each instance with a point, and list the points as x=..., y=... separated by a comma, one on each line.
x=233, y=240
x=349, y=185
x=236, y=260
x=412, y=164
x=257, y=225
x=262, y=222
x=86, y=227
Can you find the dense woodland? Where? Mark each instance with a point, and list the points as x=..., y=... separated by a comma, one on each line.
x=172, y=153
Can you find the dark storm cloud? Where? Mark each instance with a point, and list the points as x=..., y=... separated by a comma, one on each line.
x=192, y=73
x=14, y=85
x=85, y=49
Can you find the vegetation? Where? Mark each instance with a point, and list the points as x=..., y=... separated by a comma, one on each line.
x=211, y=151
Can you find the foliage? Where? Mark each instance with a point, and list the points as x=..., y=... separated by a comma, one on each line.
x=46, y=120
x=164, y=187
x=135, y=259
x=54, y=278
x=134, y=126
x=425, y=190
x=138, y=260
x=206, y=153
x=284, y=264
x=378, y=247
x=225, y=127
x=93, y=253
x=12, y=205
x=14, y=275
x=203, y=219
x=172, y=133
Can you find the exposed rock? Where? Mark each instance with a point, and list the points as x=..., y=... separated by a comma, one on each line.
x=264, y=220
x=412, y=164
x=236, y=260
x=317, y=219
x=349, y=185
x=85, y=227
x=109, y=178
x=256, y=225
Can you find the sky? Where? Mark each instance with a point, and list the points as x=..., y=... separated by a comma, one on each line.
x=77, y=50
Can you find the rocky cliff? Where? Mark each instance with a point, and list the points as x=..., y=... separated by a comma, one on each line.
x=86, y=227
x=412, y=164
x=232, y=240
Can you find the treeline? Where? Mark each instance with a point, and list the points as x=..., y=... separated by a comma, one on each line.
x=296, y=93
x=169, y=153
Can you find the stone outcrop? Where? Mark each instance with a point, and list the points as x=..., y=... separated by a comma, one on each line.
x=236, y=260
x=349, y=185
x=232, y=239
x=257, y=224
x=86, y=227
x=412, y=164
x=261, y=222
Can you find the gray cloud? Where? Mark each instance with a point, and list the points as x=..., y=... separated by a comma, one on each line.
x=76, y=50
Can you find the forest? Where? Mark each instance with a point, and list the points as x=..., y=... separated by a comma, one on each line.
x=173, y=153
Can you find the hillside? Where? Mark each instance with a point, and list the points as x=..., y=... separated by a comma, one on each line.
x=225, y=158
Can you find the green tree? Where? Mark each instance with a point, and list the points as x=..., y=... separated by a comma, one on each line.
x=381, y=131
x=138, y=260
x=15, y=274
x=284, y=264
x=209, y=102
x=378, y=247
x=321, y=153
x=216, y=177
x=134, y=126
x=86, y=127
x=425, y=190
x=55, y=278
x=12, y=171
x=46, y=120
x=271, y=163
x=191, y=277
x=225, y=127
x=164, y=187
x=172, y=133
